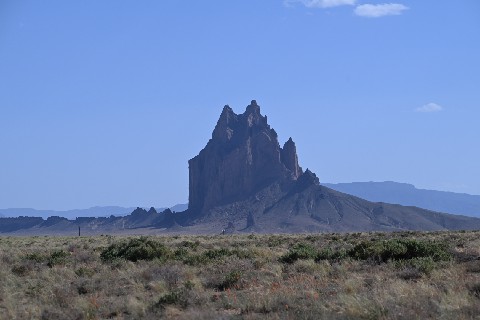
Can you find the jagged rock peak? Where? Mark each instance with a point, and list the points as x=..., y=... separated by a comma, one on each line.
x=305, y=181
x=167, y=211
x=242, y=157
x=253, y=107
x=223, y=131
x=309, y=178
x=253, y=115
x=227, y=113
x=235, y=127
x=139, y=211
x=290, y=158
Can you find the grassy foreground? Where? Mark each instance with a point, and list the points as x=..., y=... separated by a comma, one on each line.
x=409, y=275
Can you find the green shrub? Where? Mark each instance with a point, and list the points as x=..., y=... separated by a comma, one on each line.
x=400, y=249
x=20, y=270
x=300, y=251
x=57, y=257
x=330, y=254
x=243, y=253
x=475, y=289
x=416, y=267
x=275, y=241
x=84, y=272
x=136, y=249
x=190, y=244
x=214, y=254
x=231, y=279
x=195, y=260
x=415, y=256
x=36, y=257
x=176, y=297
x=189, y=285
x=180, y=254
x=169, y=298
x=425, y=264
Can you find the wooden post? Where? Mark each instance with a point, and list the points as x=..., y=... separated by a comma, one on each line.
x=79, y=231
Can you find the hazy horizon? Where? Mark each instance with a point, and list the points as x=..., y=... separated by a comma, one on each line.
x=103, y=103
x=186, y=202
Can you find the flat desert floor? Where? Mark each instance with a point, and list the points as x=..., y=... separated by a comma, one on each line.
x=408, y=275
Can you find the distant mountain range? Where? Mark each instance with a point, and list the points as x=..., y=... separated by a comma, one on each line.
x=388, y=191
x=79, y=213
x=407, y=195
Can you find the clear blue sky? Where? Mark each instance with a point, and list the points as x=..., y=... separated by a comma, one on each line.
x=103, y=102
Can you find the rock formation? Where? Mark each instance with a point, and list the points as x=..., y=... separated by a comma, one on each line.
x=244, y=178
x=243, y=181
x=242, y=157
x=290, y=159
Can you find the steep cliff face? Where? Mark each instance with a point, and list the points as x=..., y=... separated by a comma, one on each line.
x=290, y=158
x=242, y=157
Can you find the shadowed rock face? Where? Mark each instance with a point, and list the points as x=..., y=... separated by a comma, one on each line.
x=242, y=157
x=290, y=159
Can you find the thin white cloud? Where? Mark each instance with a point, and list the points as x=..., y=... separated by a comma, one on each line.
x=320, y=3
x=380, y=10
x=429, y=107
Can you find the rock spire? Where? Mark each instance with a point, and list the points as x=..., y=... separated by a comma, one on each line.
x=241, y=158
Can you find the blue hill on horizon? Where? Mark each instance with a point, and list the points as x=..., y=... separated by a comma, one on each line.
x=408, y=195
x=97, y=211
x=389, y=192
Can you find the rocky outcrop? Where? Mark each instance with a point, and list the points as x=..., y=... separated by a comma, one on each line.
x=14, y=224
x=290, y=158
x=53, y=220
x=139, y=211
x=244, y=178
x=242, y=158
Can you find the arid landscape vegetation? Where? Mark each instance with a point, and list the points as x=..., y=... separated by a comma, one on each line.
x=404, y=275
x=141, y=179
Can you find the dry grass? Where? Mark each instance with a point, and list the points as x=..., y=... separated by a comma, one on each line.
x=239, y=276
